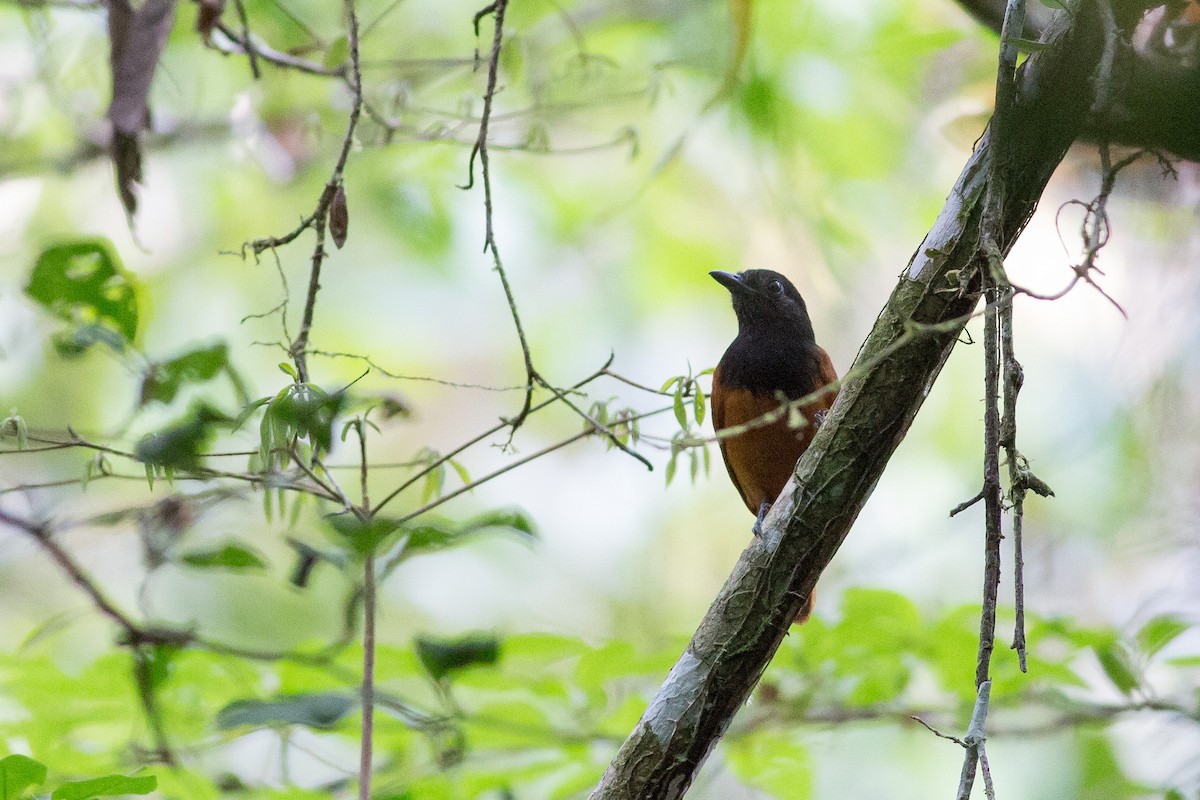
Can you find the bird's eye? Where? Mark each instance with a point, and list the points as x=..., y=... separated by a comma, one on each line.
x=775, y=288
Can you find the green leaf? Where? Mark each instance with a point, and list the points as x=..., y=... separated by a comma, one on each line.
x=680, y=411
x=181, y=445
x=463, y=475
x=429, y=537
x=75, y=342
x=107, y=786
x=763, y=105
x=435, y=479
x=338, y=52
x=698, y=404
x=1118, y=666
x=18, y=773
x=435, y=534
x=670, y=382
x=510, y=518
x=318, y=710
x=441, y=657
x=287, y=369
x=83, y=283
x=162, y=381
x=248, y=411
x=307, y=411
x=363, y=538
x=1184, y=661
x=231, y=556
x=1159, y=632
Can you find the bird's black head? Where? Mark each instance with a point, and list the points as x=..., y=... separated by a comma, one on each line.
x=766, y=303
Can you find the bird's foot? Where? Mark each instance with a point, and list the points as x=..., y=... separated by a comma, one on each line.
x=762, y=513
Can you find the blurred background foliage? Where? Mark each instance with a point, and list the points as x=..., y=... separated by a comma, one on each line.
x=626, y=165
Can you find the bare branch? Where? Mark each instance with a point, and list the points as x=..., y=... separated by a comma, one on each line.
x=480, y=148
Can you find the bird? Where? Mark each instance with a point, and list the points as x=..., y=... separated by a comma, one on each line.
x=773, y=358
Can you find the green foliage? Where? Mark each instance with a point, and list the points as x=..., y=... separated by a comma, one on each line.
x=1158, y=632
x=321, y=710
x=107, y=786
x=19, y=773
x=444, y=657
x=1118, y=666
x=362, y=537
x=83, y=283
x=688, y=397
x=772, y=762
x=162, y=381
x=182, y=444
x=231, y=555
x=298, y=411
x=432, y=534
x=81, y=735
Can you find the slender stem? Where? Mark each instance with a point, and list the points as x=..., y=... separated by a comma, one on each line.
x=320, y=217
x=368, y=680
x=251, y=52
x=995, y=287
x=480, y=148
x=143, y=676
x=1013, y=378
x=365, y=498
x=991, y=491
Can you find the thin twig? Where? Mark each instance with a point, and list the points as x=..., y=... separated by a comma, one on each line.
x=995, y=287
x=480, y=148
x=936, y=732
x=277, y=58
x=364, y=496
x=598, y=427
x=144, y=679
x=1014, y=376
x=251, y=52
x=399, y=376
x=321, y=214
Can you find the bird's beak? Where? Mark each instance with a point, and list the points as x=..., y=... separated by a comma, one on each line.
x=729, y=280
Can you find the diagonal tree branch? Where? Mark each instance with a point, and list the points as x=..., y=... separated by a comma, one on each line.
x=905, y=351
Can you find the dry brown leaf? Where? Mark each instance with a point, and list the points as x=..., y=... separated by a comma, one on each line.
x=339, y=217
x=137, y=39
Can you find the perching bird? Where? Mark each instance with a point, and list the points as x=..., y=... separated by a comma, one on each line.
x=774, y=355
